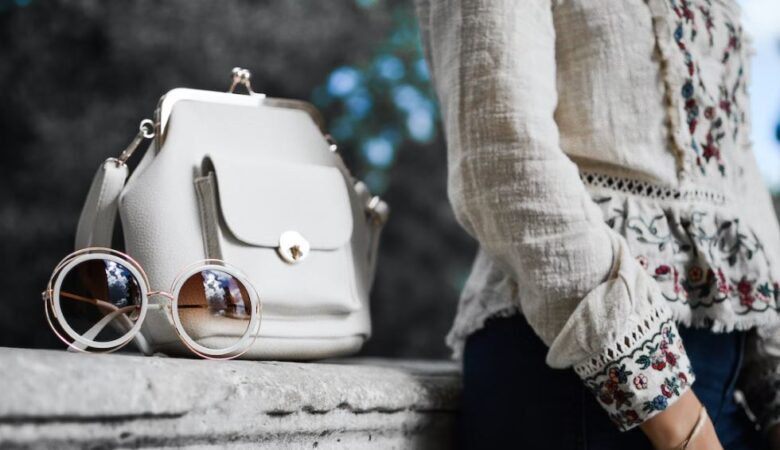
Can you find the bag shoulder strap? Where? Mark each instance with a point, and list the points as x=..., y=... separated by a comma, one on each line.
x=96, y=227
x=96, y=222
x=98, y=215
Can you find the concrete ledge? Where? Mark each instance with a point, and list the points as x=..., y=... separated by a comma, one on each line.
x=54, y=399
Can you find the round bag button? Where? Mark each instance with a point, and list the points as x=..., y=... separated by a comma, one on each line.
x=293, y=248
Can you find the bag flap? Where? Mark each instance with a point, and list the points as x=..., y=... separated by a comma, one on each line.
x=260, y=199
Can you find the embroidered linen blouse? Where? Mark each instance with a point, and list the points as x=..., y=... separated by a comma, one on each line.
x=598, y=151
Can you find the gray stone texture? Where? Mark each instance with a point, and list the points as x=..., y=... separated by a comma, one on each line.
x=56, y=399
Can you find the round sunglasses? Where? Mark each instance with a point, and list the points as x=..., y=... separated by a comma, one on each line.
x=97, y=300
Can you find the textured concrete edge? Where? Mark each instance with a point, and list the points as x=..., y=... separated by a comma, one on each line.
x=339, y=429
x=54, y=399
x=40, y=385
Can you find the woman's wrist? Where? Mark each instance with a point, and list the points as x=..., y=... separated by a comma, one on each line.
x=671, y=427
x=706, y=439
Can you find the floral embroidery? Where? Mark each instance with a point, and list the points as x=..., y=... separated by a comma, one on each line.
x=699, y=259
x=709, y=111
x=709, y=24
x=715, y=287
x=645, y=380
x=640, y=381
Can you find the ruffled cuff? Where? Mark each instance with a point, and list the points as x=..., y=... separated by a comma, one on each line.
x=640, y=375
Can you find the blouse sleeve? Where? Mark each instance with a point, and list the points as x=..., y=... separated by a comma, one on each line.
x=760, y=376
x=514, y=190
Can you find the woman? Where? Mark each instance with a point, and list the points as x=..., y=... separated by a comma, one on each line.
x=627, y=279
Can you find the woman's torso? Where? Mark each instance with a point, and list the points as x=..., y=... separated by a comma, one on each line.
x=653, y=109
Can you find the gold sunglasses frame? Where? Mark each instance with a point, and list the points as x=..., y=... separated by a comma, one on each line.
x=52, y=293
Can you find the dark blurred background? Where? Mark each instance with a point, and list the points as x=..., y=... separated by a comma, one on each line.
x=77, y=76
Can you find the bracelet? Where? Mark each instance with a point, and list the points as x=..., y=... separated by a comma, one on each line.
x=696, y=428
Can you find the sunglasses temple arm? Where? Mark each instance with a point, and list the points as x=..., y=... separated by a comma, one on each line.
x=93, y=301
x=139, y=340
x=98, y=327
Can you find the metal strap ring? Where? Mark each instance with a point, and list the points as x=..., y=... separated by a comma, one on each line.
x=147, y=128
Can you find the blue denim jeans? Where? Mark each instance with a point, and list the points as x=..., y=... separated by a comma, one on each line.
x=512, y=399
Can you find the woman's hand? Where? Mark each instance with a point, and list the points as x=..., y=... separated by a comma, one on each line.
x=669, y=428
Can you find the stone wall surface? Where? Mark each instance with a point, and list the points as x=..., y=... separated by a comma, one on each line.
x=55, y=399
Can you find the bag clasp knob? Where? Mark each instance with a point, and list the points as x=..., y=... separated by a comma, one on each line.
x=293, y=247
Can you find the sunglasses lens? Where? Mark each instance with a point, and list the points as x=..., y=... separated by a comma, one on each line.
x=100, y=299
x=214, y=309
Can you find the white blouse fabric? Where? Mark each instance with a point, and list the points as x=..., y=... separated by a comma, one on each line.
x=598, y=151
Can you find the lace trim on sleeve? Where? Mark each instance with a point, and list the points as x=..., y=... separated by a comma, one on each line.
x=642, y=374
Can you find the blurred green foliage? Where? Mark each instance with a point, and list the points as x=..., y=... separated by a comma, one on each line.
x=379, y=106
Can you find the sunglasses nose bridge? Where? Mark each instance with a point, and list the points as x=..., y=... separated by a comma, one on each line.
x=167, y=295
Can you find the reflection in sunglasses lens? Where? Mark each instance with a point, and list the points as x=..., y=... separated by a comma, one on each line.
x=100, y=299
x=214, y=308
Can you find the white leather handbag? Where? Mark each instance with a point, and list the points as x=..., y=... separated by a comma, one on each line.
x=253, y=181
